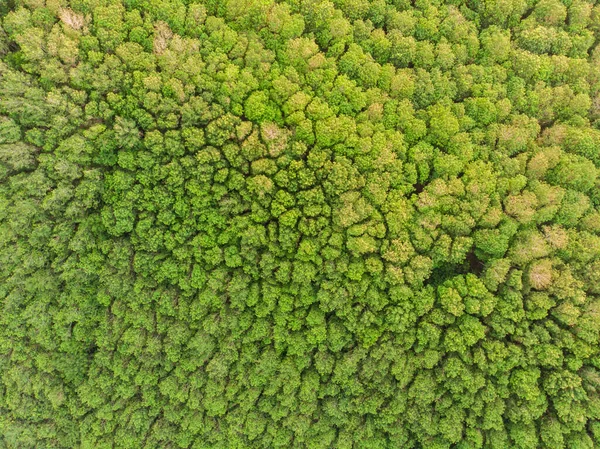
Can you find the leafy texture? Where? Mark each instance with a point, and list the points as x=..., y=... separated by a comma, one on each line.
x=299, y=224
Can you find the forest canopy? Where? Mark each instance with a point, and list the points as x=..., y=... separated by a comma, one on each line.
x=369, y=224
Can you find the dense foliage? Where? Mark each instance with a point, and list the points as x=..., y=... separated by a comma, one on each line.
x=300, y=224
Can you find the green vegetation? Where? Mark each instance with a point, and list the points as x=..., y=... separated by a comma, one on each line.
x=311, y=224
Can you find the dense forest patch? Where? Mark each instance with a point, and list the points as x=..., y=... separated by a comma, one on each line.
x=300, y=224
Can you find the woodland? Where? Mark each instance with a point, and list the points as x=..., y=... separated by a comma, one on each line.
x=346, y=224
